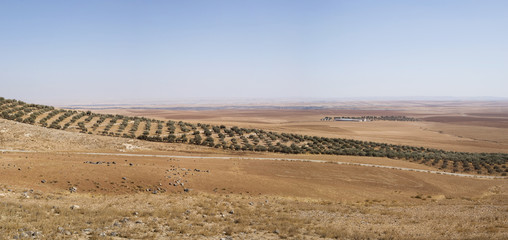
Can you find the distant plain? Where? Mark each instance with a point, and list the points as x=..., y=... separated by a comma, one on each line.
x=237, y=194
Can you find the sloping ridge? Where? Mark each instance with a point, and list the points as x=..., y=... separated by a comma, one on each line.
x=243, y=139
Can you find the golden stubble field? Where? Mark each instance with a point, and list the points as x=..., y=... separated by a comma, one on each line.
x=161, y=191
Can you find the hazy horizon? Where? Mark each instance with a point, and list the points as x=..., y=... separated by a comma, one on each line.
x=242, y=101
x=270, y=101
x=60, y=52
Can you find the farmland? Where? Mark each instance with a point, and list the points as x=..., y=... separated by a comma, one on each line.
x=62, y=184
x=245, y=139
x=258, y=120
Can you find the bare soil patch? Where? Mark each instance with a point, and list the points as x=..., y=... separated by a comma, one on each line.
x=473, y=121
x=124, y=174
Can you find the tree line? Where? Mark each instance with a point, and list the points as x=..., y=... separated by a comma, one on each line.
x=245, y=139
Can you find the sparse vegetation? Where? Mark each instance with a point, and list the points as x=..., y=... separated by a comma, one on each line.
x=243, y=139
x=198, y=216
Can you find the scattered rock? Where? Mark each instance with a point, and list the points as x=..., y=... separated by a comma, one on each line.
x=55, y=210
x=232, y=212
x=98, y=163
x=276, y=231
x=73, y=189
x=74, y=207
x=25, y=195
x=113, y=234
x=87, y=231
x=124, y=178
x=43, y=181
x=27, y=234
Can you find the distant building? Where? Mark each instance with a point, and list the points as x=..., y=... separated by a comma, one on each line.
x=347, y=119
x=369, y=118
x=341, y=119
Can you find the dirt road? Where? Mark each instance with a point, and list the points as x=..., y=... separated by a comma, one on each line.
x=282, y=159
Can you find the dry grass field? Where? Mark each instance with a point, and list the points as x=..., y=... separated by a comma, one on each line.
x=58, y=184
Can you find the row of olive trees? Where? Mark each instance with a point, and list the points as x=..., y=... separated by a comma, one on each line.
x=237, y=138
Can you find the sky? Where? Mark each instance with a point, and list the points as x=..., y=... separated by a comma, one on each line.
x=100, y=51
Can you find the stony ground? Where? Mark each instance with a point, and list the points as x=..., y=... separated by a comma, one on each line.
x=33, y=214
x=57, y=193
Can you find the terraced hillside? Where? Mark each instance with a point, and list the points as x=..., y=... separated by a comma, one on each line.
x=244, y=139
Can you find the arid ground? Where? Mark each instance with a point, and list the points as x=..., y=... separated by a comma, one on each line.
x=58, y=184
x=457, y=126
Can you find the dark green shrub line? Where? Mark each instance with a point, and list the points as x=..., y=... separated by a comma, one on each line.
x=160, y=126
x=73, y=120
x=123, y=125
x=55, y=123
x=99, y=121
x=110, y=125
x=53, y=113
x=31, y=118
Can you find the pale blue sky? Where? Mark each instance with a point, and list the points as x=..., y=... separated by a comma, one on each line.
x=72, y=51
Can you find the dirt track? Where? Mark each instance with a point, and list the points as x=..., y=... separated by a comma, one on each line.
x=283, y=159
x=306, y=160
x=120, y=173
